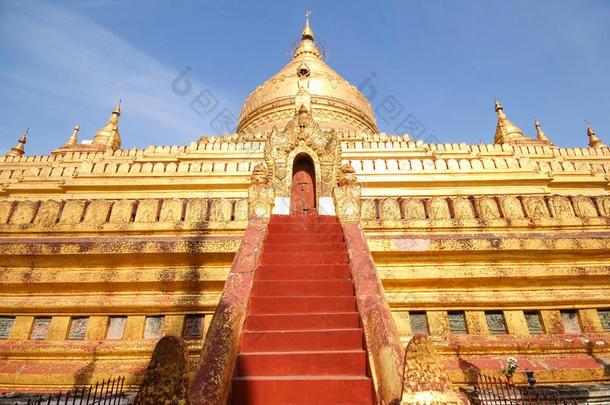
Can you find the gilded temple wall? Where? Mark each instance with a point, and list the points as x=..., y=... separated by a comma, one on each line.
x=152, y=232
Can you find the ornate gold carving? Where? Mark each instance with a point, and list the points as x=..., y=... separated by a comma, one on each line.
x=302, y=135
x=603, y=204
x=389, y=210
x=171, y=210
x=413, y=208
x=220, y=210
x=6, y=207
x=511, y=207
x=561, y=207
x=260, y=193
x=24, y=212
x=584, y=207
x=72, y=212
x=122, y=211
x=535, y=207
x=147, y=211
x=437, y=208
x=487, y=207
x=368, y=209
x=241, y=210
x=196, y=210
x=347, y=195
x=462, y=208
x=97, y=212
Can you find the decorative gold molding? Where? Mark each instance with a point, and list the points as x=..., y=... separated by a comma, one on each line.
x=347, y=195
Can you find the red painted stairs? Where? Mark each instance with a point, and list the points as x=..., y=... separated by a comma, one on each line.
x=303, y=342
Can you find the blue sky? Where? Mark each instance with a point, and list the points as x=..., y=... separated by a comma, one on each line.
x=444, y=61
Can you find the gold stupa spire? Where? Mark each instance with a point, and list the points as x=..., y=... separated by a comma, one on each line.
x=307, y=45
x=108, y=136
x=594, y=141
x=540, y=135
x=506, y=131
x=73, y=140
x=19, y=148
x=307, y=31
x=307, y=80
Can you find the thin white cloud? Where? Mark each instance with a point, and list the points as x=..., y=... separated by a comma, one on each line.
x=71, y=56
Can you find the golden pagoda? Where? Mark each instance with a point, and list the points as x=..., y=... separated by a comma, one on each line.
x=491, y=250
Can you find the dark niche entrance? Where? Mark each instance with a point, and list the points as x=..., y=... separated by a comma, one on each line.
x=303, y=190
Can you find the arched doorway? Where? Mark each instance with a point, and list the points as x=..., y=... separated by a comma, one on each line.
x=303, y=189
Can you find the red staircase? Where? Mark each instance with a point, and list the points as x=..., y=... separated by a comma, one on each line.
x=303, y=342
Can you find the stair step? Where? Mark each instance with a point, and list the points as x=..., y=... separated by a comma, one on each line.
x=338, y=320
x=302, y=341
x=299, y=237
x=291, y=305
x=282, y=341
x=302, y=272
x=326, y=247
x=286, y=288
x=304, y=258
x=348, y=362
x=302, y=390
x=282, y=219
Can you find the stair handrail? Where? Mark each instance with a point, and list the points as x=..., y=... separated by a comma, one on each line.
x=381, y=335
x=212, y=382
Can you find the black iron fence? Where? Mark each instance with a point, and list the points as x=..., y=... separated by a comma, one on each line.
x=494, y=391
x=108, y=392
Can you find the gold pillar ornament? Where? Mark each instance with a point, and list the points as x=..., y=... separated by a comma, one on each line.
x=347, y=194
x=108, y=136
x=540, y=135
x=506, y=131
x=594, y=141
x=73, y=139
x=260, y=193
x=19, y=148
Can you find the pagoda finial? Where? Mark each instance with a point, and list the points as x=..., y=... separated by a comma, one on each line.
x=73, y=139
x=108, y=136
x=499, y=109
x=594, y=141
x=540, y=135
x=307, y=31
x=506, y=131
x=19, y=148
x=307, y=45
